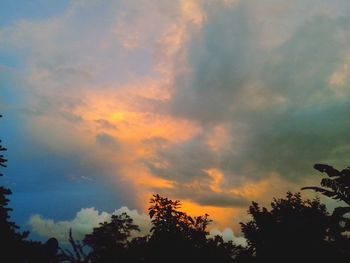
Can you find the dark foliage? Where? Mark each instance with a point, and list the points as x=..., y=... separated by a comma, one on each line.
x=294, y=230
x=337, y=187
x=109, y=242
x=77, y=256
x=170, y=223
x=173, y=230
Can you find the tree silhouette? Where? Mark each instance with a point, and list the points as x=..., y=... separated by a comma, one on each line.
x=294, y=230
x=336, y=187
x=178, y=237
x=77, y=256
x=10, y=238
x=169, y=222
x=109, y=242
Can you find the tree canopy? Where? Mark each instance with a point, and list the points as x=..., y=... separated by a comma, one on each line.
x=294, y=230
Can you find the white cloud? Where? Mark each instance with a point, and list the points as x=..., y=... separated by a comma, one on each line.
x=228, y=235
x=83, y=223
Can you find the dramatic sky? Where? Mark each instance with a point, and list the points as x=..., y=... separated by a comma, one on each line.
x=213, y=102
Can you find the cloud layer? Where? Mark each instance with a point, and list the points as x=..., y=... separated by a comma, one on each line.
x=212, y=102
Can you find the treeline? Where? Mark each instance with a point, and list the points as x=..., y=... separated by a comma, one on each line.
x=292, y=230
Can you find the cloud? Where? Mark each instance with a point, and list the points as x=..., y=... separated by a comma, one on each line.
x=280, y=110
x=83, y=223
x=198, y=100
x=282, y=104
x=228, y=235
x=91, y=81
x=203, y=194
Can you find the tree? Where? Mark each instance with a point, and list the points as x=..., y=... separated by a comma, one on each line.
x=294, y=230
x=10, y=238
x=337, y=187
x=77, y=256
x=109, y=242
x=178, y=237
x=168, y=222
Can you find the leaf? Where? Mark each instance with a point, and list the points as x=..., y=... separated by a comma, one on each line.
x=324, y=168
x=151, y=213
x=340, y=211
x=321, y=190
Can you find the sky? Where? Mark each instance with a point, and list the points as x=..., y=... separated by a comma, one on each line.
x=213, y=102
